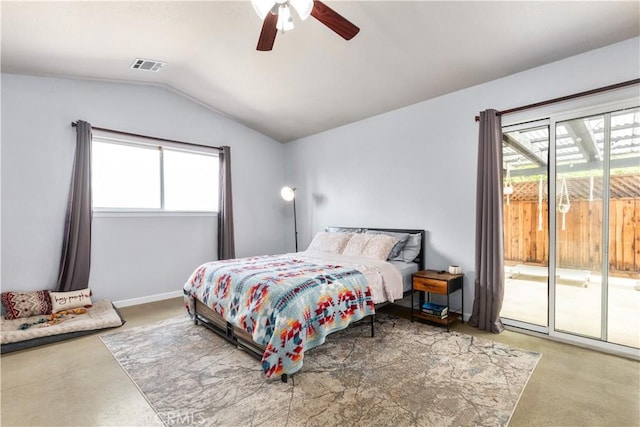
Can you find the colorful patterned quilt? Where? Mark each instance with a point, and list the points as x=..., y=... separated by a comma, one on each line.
x=287, y=304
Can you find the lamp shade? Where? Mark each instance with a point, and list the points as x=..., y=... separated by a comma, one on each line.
x=262, y=7
x=288, y=193
x=303, y=7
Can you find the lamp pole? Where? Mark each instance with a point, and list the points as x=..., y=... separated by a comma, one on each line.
x=289, y=194
x=295, y=222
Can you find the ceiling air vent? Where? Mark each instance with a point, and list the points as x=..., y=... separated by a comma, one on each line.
x=147, y=65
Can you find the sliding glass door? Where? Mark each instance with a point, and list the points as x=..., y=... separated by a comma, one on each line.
x=576, y=272
x=526, y=161
x=579, y=232
x=622, y=295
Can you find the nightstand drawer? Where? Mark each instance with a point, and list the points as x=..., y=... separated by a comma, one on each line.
x=430, y=285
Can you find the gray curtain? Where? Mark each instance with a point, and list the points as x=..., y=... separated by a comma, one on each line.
x=489, y=285
x=76, y=246
x=226, y=245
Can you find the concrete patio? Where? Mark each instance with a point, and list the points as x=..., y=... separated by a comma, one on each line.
x=577, y=307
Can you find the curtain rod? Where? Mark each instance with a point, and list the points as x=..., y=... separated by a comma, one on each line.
x=74, y=124
x=567, y=97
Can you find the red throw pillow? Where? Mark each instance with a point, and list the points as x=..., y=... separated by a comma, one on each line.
x=25, y=304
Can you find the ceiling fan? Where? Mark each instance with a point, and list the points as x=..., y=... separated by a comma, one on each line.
x=276, y=15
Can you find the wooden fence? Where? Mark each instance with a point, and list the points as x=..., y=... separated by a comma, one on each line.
x=580, y=243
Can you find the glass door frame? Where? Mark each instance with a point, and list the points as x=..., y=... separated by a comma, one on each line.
x=552, y=119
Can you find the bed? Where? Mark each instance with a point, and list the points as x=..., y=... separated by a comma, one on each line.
x=276, y=307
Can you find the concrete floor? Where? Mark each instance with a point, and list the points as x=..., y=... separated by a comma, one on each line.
x=78, y=383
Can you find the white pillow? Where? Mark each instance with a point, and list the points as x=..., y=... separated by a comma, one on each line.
x=329, y=242
x=397, y=248
x=376, y=246
x=68, y=300
x=356, y=244
x=379, y=247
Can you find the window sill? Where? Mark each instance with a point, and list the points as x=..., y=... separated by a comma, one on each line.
x=142, y=214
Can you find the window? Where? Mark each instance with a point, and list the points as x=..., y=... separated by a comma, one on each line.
x=134, y=176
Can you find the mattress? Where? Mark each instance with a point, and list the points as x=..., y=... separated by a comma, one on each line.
x=101, y=315
x=385, y=281
x=406, y=269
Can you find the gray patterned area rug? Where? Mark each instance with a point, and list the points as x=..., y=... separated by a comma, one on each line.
x=410, y=374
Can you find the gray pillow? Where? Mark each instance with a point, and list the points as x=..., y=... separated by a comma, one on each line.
x=345, y=230
x=410, y=250
x=397, y=248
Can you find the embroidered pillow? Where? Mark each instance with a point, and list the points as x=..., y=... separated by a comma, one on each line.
x=397, y=248
x=72, y=299
x=379, y=247
x=356, y=244
x=25, y=304
x=329, y=242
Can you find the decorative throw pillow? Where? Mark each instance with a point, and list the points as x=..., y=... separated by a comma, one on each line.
x=397, y=248
x=379, y=247
x=72, y=299
x=25, y=304
x=329, y=242
x=356, y=244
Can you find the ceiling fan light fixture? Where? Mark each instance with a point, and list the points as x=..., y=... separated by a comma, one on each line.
x=285, y=21
x=303, y=7
x=262, y=7
x=279, y=18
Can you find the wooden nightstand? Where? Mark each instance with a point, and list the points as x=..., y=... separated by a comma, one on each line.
x=432, y=282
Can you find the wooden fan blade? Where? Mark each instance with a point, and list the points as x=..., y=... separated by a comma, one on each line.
x=268, y=33
x=334, y=20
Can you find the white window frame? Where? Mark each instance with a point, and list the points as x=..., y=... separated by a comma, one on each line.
x=149, y=142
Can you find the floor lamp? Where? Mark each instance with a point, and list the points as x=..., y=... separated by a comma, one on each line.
x=289, y=194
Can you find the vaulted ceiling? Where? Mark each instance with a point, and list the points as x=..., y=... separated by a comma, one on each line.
x=313, y=80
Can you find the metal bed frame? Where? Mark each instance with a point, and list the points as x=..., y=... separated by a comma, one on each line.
x=214, y=322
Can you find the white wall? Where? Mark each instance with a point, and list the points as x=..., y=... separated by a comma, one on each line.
x=411, y=168
x=416, y=167
x=149, y=255
x=37, y=153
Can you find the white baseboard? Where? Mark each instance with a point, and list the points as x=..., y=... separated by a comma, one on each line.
x=150, y=298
